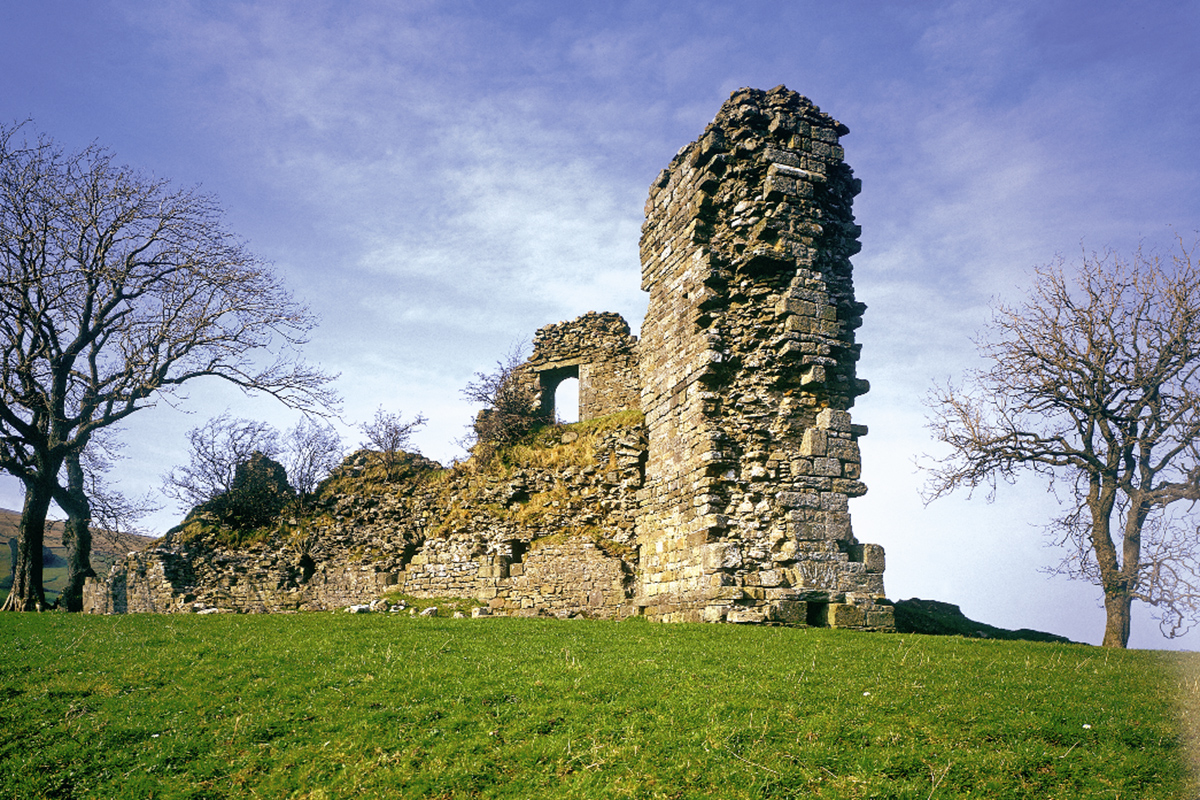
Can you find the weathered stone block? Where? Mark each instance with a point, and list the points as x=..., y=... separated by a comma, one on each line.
x=792, y=612
x=744, y=616
x=722, y=555
x=844, y=449
x=834, y=420
x=844, y=615
x=814, y=443
x=881, y=618
x=830, y=467
x=770, y=577
x=873, y=558
x=798, y=499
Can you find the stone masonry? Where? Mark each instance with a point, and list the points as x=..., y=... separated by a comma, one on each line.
x=748, y=372
x=598, y=350
x=551, y=534
x=728, y=504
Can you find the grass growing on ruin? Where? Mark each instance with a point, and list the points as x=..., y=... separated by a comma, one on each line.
x=549, y=448
x=335, y=705
x=545, y=448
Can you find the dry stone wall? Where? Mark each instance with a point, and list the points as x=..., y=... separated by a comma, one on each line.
x=553, y=534
x=729, y=504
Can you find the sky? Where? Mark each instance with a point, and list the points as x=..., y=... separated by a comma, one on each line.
x=437, y=180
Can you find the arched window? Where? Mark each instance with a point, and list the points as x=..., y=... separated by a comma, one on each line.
x=566, y=401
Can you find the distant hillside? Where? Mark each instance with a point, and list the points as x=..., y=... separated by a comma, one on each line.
x=106, y=549
x=946, y=619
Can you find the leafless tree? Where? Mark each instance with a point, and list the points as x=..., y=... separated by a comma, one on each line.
x=1094, y=383
x=112, y=513
x=311, y=451
x=387, y=436
x=215, y=449
x=115, y=290
x=509, y=412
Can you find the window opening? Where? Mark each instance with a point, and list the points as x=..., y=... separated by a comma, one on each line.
x=566, y=401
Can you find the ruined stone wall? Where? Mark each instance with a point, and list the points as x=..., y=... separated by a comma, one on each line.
x=729, y=504
x=553, y=535
x=263, y=577
x=146, y=581
x=748, y=370
x=596, y=348
x=550, y=536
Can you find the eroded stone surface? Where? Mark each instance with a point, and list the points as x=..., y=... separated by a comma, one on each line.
x=748, y=370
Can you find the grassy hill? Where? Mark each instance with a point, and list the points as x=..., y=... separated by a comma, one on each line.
x=106, y=549
x=334, y=705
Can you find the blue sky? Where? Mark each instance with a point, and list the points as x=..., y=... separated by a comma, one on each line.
x=439, y=179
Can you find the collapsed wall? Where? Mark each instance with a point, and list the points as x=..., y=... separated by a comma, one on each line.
x=550, y=532
x=730, y=502
x=748, y=371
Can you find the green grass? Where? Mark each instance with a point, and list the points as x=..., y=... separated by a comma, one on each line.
x=335, y=705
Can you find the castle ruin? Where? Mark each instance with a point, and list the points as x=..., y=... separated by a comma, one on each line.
x=728, y=504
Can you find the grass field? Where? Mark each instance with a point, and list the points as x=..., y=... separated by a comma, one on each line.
x=335, y=705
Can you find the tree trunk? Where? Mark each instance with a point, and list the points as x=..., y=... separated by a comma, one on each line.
x=1116, y=627
x=1117, y=595
x=27, y=593
x=77, y=537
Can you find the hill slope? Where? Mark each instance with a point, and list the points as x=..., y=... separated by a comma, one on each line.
x=946, y=619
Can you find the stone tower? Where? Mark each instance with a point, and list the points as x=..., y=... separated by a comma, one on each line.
x=747, y=363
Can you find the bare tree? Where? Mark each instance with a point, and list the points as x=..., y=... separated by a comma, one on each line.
x=509, y=412
x=115, y=290
x=1094, y=383
x=387, y=436
x=215, y=450
x=311, y=451
x=112, y=513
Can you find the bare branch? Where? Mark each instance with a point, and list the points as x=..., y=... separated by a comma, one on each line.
x=312, y=450
x=215, y=450
x=1094, y=380
x=509, y=413
x=116, y=290
x=387, y=436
